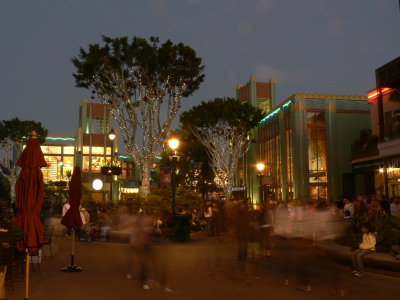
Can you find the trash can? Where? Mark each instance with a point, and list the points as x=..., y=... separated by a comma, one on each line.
x=182, y=228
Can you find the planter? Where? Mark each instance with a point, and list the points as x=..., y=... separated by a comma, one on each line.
x=116, y=170
x=105, y=170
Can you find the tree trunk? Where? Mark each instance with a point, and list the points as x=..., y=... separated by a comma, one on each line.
x=146, y=179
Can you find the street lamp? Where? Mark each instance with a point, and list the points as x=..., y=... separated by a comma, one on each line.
x=260, y=168
x=173, y=144
x=97, y=184
x=60, y=183
x=111, y=136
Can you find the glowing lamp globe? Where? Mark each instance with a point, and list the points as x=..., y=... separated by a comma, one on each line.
x=173, y=144
x=111, y=135
x=97, y=184
x=260, y=166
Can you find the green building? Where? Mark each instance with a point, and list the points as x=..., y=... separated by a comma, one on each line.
x=305, y=143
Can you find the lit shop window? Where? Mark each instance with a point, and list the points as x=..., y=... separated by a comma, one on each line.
x=86, y=164
x=97, y=163
x=96, y=150
x=53, y=170
x=68, y=164
x=69, y=149
x=51, y=149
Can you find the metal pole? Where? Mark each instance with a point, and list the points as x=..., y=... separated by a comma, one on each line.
x=173, y=187
x=111, y=182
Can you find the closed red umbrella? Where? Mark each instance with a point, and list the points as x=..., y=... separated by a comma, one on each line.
x=72, y=218
x=29, y=191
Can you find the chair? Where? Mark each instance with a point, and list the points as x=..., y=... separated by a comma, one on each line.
x=47, y=239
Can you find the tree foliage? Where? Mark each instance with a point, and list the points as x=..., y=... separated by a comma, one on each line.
x=143, y=83
x=13, y=133
x=223, y=126
x=15, y=130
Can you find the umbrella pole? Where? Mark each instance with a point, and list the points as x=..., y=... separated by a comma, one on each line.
x=73, y=248
x=72, y=267
x=27, y=275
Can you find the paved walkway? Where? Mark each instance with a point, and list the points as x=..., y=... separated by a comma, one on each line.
x=202, y=269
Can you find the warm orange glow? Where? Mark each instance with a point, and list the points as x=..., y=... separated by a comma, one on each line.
x=375, y=93
x=260, y=166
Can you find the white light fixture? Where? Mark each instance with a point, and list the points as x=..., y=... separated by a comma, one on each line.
x=173, y=143
x=381, y=170
x=111, y=135
x=97, y=184
x=260, y=166
x=60, y=163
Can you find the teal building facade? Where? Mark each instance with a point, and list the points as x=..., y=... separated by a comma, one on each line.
x=305, y=143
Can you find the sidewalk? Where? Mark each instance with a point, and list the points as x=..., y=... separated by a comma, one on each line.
x=375, y=262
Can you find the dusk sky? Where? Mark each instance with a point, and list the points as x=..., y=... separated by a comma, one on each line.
x=311, y=46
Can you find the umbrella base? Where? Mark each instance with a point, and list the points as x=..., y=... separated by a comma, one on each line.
x=72, y=269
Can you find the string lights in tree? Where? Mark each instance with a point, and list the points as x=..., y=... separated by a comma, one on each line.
x=223, y=126
x=143, y=83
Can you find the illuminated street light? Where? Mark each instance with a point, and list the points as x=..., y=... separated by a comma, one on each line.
x=260, y=166
x=97, y=184
x=111, y=135
x=173, y=144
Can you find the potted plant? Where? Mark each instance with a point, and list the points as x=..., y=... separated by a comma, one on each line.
x=106, y=169
x=116, y=168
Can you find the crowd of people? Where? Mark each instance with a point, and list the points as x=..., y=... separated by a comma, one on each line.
x=251, y=226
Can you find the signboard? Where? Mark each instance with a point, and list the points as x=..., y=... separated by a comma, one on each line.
x=166, y=174
x=238, y=188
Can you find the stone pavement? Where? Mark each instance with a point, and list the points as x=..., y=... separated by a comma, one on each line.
x=201, y=269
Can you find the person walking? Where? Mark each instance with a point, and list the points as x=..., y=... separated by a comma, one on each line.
x=265, y=230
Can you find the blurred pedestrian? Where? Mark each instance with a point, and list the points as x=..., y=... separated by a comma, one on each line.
x=265, y=230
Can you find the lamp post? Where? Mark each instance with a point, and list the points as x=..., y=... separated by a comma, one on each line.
x=173, y=144
x=59, y=164
x=260, y=168
x=111, y=136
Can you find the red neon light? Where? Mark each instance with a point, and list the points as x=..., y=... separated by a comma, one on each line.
x=375, y=93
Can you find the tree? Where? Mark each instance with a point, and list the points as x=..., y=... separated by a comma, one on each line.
x=143, y=83
x=223, y=126
x=13, y=133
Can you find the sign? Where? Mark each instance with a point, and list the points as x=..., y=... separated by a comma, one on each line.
x=238, y=188
x=166, y=174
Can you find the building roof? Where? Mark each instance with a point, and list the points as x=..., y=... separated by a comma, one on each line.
x=322, y=97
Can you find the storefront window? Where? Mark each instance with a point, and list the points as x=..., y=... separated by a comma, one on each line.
x=317, y=154
x=316, y=119
x=51, y=149
x=86, y=164
x=68, y=164
x=69, y=149
x=53, y=170
x=318, y=192
x=97, y=150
